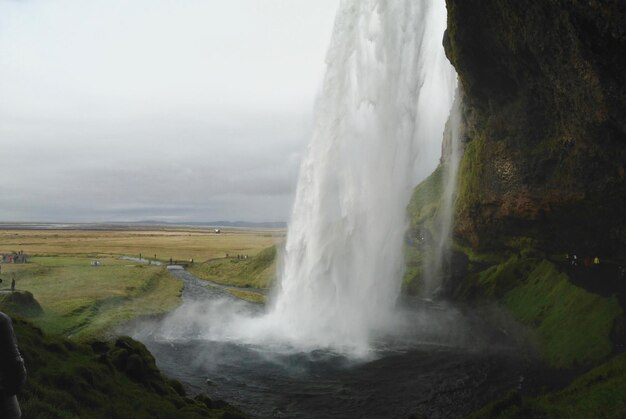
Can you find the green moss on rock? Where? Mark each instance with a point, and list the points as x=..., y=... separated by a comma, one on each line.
x=22, y=303
x=544, y=110
x=570, y=326
x=599, y=393
x=104, y=380
x=573, y=325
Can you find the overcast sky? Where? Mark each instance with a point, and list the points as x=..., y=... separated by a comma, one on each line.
x=194, y=110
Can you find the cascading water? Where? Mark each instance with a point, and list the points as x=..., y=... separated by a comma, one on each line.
x=442, y=229
x=379, y=122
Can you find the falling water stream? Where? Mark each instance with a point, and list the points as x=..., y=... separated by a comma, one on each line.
x=379, y=124
x=335, y=341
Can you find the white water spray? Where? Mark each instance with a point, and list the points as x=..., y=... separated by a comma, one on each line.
x=444, y=219
x=379, y=122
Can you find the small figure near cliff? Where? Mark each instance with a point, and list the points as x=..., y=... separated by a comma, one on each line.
x=13, y=284
x=12, y=371
x=574, y=260
x=596, y=260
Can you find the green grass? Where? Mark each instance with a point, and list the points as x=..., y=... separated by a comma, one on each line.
x=499, y=279
x=84, y=302
x=571, y=325
x=471, y=170
x=426, y=199
x=571, y=328
x=600, y=393
x=108, y=380
x=484, y=258
x=256, y=272
x=422, y=210
x=253, y=297
x=574, y=326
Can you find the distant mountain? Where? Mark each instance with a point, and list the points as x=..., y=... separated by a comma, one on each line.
x=234, y=224
x=143, y=223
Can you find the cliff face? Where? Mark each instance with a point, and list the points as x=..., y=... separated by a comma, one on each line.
x=545, y=116
x=543, y=174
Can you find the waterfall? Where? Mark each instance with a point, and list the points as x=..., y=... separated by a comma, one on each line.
x=378, y=127
x=444, y=219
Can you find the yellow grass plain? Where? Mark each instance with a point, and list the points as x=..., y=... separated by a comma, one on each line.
x=178, y=244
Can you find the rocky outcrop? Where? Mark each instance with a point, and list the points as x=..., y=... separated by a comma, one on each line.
x=545, y=116
x=117, y=379
x=22, y=303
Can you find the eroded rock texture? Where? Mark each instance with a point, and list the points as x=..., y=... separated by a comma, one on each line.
x=545, y=110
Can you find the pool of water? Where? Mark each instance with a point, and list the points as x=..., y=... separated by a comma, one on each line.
x=433, y=370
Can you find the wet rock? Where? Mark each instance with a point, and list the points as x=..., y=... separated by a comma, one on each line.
x=545, y=117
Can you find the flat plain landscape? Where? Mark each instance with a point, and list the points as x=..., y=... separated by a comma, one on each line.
x=178, y=244
x=83, y=301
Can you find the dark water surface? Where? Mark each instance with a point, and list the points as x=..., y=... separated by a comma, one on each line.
x=437, y=381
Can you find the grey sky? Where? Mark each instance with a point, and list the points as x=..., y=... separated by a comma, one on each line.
x=156, y=109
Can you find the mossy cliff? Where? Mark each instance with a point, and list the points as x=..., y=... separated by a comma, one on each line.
x=99, y=379
x=545, y=116
x=543, y=174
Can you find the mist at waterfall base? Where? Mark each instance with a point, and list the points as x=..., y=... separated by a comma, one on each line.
x=334, y=333
x=437, y=361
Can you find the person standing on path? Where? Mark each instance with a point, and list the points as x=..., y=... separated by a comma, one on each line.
x=13, y=284
x=12, y=370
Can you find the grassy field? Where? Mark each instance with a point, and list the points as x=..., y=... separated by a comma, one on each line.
x=258, y=271
x=570, y=326
x=180, y=244
x=82, y=301
x=109, y=378
x=599, y=393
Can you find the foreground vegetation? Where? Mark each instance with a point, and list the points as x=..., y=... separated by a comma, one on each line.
x=600, y=393
x=570, y=326
x=115, y=379
x=255, y=272
x=65, y=312
x=575, y=325
x=573, y=329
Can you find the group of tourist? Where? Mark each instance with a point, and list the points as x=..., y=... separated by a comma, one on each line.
x=587, y=261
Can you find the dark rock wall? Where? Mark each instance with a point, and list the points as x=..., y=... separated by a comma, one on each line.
x=545, y=116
